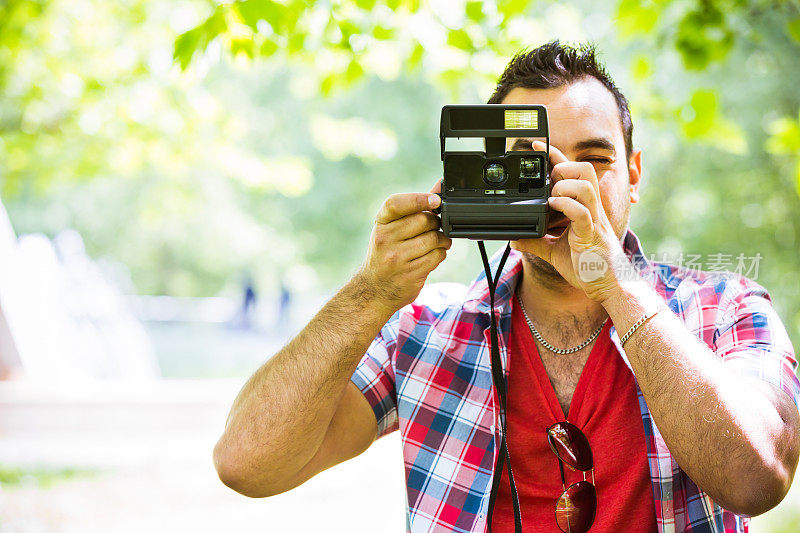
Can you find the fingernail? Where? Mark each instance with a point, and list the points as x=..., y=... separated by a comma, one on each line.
x=433, y=200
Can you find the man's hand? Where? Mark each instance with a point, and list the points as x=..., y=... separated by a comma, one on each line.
x=588, y=254
x=406, y=245
x=300, y=413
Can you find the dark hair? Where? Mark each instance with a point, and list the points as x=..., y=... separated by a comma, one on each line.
x=555, y=65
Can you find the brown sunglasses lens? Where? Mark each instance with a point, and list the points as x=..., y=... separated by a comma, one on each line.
x=576, y=508
x=570, y=445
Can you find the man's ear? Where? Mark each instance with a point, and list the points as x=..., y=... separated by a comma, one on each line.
x=635, y=174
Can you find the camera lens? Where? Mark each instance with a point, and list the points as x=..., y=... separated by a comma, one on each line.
x=494, y=173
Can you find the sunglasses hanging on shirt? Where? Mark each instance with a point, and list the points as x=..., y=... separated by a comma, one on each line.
x=577, y=505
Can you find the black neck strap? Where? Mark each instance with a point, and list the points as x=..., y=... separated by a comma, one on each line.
x=499, y=380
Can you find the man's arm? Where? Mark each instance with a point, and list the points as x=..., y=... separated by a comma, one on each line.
x=281, y=417
x=736, y=437
x=298, y=414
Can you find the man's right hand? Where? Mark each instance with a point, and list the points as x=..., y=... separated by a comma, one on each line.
x=300, y=413
x=406, y=245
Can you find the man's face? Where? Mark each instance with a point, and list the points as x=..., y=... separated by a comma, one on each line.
x=584, y=126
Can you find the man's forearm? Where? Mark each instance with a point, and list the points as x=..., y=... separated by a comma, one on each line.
x=275, y=435
x=280, y=417
x=722, y=430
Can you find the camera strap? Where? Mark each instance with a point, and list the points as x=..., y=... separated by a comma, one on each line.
x=499, y=380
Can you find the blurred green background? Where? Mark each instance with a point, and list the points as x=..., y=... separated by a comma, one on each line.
x=193, y=142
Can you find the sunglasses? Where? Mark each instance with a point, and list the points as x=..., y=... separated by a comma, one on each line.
x=576, y=507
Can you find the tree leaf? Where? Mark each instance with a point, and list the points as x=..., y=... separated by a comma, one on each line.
x=186, y=45
x=636, y=18
x=242, y=46
x=641, y=68
x=460, y=39
x=474, y=10
x=703, y=36
x=711, y=126
x=348, y=28
x=366, y=5
x=382, y=33
x=197, y=39
x=511, y=8
x=326, y=85
x=704, y=105
x=793, y=29
x=253, y=11
x=268, y=47
x=296, y=42
x=415, y=59
x=784, y=136
x=354, y=71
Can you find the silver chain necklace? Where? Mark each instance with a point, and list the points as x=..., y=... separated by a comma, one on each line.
x=560, y=351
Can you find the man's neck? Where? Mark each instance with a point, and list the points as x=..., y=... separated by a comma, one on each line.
x=557, y=308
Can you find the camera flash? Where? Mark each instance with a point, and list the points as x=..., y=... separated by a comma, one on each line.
x=517, y=119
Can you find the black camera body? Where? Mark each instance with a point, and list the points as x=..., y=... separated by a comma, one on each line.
x=495, y=194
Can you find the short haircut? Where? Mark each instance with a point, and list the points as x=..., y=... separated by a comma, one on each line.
x=555, y=65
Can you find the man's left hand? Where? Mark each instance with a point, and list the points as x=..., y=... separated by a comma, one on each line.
x=588, y=254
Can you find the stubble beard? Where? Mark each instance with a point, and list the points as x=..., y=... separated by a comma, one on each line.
x=546, y=275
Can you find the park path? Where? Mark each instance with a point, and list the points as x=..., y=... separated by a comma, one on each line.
x=151, y=451
x=150, y=445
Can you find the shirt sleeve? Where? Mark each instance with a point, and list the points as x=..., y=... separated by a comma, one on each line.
x=752, y=340
x=375, y=378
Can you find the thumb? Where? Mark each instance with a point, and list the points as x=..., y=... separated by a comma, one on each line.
x=437, y=188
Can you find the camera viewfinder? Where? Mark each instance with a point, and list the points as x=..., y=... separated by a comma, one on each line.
x=530, y=170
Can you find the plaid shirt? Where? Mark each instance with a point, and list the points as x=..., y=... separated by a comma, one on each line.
x=428, y=373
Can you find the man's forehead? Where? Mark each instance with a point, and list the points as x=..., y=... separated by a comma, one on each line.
x=581, y=110
x=586, y=97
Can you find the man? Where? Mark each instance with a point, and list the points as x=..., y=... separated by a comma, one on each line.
x=692, y=425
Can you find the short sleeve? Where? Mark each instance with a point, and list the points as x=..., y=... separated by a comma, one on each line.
x=374, y=377
x=752, y=340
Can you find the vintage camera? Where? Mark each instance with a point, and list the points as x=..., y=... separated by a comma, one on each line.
x=495, y=194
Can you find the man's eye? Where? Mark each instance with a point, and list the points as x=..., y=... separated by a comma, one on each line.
x=601, y=160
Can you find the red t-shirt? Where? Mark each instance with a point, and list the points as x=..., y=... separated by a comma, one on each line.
x=605, y=407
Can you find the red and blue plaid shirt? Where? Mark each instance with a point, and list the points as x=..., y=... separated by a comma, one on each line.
x=428, y=374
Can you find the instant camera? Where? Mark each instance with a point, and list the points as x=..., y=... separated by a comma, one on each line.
x=495, y=194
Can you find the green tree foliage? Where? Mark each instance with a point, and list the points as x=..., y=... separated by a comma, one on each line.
x=347, y=32
x=713, y=91
x=99, y=131
x=728, y=180
x=189, y=140
x=344, y=40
